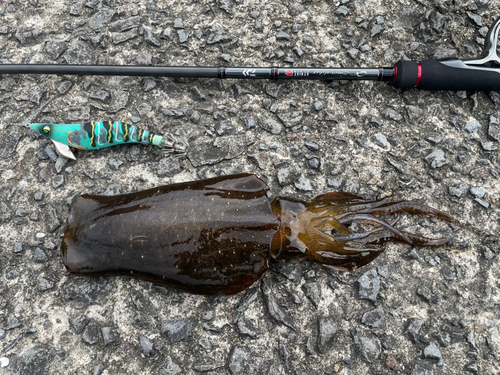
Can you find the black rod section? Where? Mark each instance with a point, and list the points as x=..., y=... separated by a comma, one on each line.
x=110, y=70
x=374, y=74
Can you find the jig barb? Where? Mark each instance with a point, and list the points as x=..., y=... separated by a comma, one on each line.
x=99, y=134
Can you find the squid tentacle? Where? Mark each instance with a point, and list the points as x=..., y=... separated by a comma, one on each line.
x=360, y=236
x=385, y=235
x=373, y=219
x=407, y=206
x=339, y=248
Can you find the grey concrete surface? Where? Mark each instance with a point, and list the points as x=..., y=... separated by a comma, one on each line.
x=411, y=311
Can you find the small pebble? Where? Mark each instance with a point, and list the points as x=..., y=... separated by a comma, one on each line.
x=477, y=192
x=99, y=369
x=353, y=53
x=205, y=344
x=208, y=315
x=374, y=318
x=436, y=159
x=327, y=329
x=392, y=363
x=312, y=146
x=184, y=36
x=342, y=10
x=422, y=369
x=178, y=24
x=57, y=181
x=51, y=154
x=108, y=335
x=335, y=182
x=433, y=352
x=282, y=36
x=435, y=138
x=376, y=29
x=38, y=196
x=147, y=346
x=310, y=274
x=101, y=95
x=473, y=368
x=309, y=347
x=91, y=334
x=425, y=293
x=60, y=163
x=64, y=87
x=482, y=202
x=298, y=51
x=18, y=247
x=246, y=327
x=381, y=139
x=369, y=285
x=488, y=254
x=471, y=127
x=176, y=330
x=319, y=105
x=488, y=146
x=458, y=191
x=4, y=362
x=303, y=184
x=415, y=326
x=40, y=256
x=114, y=164
x=383, y=271
x=367, y=343
x=314, y=163
x=169, y=167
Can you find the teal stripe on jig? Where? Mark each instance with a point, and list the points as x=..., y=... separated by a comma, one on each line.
x=99, y=134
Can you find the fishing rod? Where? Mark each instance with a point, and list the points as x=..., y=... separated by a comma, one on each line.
x=479, y=74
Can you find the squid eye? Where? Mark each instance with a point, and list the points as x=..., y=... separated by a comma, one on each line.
x=46, y=129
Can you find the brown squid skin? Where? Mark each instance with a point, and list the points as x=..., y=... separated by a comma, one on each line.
x=204, y=237
x=218, y=236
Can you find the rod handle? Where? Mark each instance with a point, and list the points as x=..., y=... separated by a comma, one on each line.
x=439, y=75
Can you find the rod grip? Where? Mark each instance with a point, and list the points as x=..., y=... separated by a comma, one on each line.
x=406, y=74
x=435, y=75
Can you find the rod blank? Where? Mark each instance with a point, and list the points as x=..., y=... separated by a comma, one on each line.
x=374, y=74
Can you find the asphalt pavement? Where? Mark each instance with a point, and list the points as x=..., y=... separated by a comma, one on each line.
x=412, y=311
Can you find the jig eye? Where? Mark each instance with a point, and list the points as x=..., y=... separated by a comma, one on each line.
x=46, y=129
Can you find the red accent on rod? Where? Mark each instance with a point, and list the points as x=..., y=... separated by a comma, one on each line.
x=419, y=75
x=395, y=74
x=274, y=73
x=221, y=73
